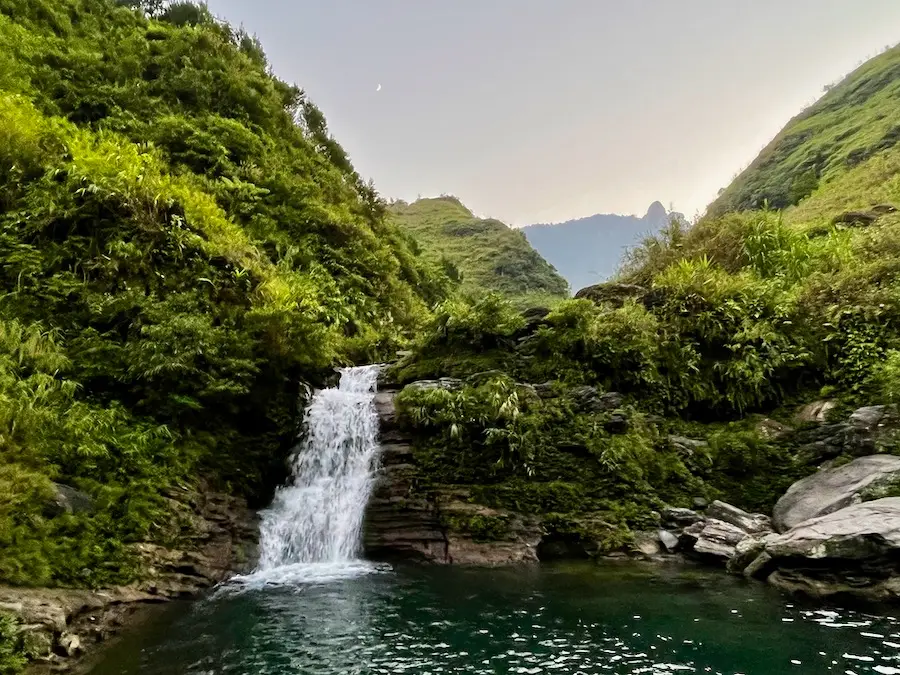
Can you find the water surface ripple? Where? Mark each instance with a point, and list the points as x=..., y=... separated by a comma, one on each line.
x=574, y=619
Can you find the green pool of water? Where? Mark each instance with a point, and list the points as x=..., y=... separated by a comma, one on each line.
x=566, y=619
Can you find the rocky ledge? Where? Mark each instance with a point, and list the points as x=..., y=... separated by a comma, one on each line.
x=444, y=527
x=61, y=625
x=834, y=533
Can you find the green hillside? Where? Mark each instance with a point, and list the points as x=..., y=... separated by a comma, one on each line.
x=484, y=254
x=855, y=120
x=710, y=333
x=182, y=245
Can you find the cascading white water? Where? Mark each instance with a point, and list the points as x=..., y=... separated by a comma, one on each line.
x=313, y=525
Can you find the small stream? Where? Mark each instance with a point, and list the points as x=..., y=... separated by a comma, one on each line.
x=616, y=618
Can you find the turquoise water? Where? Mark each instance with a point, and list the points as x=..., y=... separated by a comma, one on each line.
x=566, y=619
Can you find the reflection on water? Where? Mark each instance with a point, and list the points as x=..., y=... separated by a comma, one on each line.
x=560, y=619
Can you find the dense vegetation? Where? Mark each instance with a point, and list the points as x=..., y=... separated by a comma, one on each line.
x=855, y=120
x=182, y=243
x=707, y=329
x=480, y=254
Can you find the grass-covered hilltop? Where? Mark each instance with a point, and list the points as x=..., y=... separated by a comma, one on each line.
x=182, y=245
x=479, y=254
x=681, y=379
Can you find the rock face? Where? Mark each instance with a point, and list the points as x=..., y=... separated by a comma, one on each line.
x=444, y=527
x=853, y=551
x=833, y=489
x=60, y=624
x=866, y=431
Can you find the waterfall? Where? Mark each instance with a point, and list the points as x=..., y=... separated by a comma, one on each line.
x=312, y=529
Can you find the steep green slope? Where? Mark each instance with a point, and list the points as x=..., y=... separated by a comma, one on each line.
x=484, y=253
x=853, y=121
x=709, y=329
x=182, y=244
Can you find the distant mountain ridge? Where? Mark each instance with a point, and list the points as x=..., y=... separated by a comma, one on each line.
x=589, y=250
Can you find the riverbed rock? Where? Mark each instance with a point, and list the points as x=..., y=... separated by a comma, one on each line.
x=718, y=539
x=747, y=551
x=830, y=490
x=751, y=523
x=854, y=552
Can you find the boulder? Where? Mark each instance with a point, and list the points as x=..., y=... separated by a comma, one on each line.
x=67, y=499
x=868, y=418
x=854, y=551
x=718, y=539
x=668, y=540
x=853, y=533
x=700, y=503
x=815, y=412
x=751, y=523
x=747, y=551
x=833, y=489
x=647, y=543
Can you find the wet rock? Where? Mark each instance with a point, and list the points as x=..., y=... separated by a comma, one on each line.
x=746, y=551
x=668, y=540
x=718, y=539
x=67, y=499
x=751, y=523
x=760, y=568
x=612, y=293
x=854, y=551
x=815, y=412
x=830, y=490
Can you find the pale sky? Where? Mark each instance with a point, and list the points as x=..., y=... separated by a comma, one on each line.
x=546, y=110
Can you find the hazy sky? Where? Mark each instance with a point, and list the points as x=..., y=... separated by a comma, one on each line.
x=544, y=110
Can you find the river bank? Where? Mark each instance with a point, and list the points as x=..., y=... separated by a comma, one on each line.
x=60, y=627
